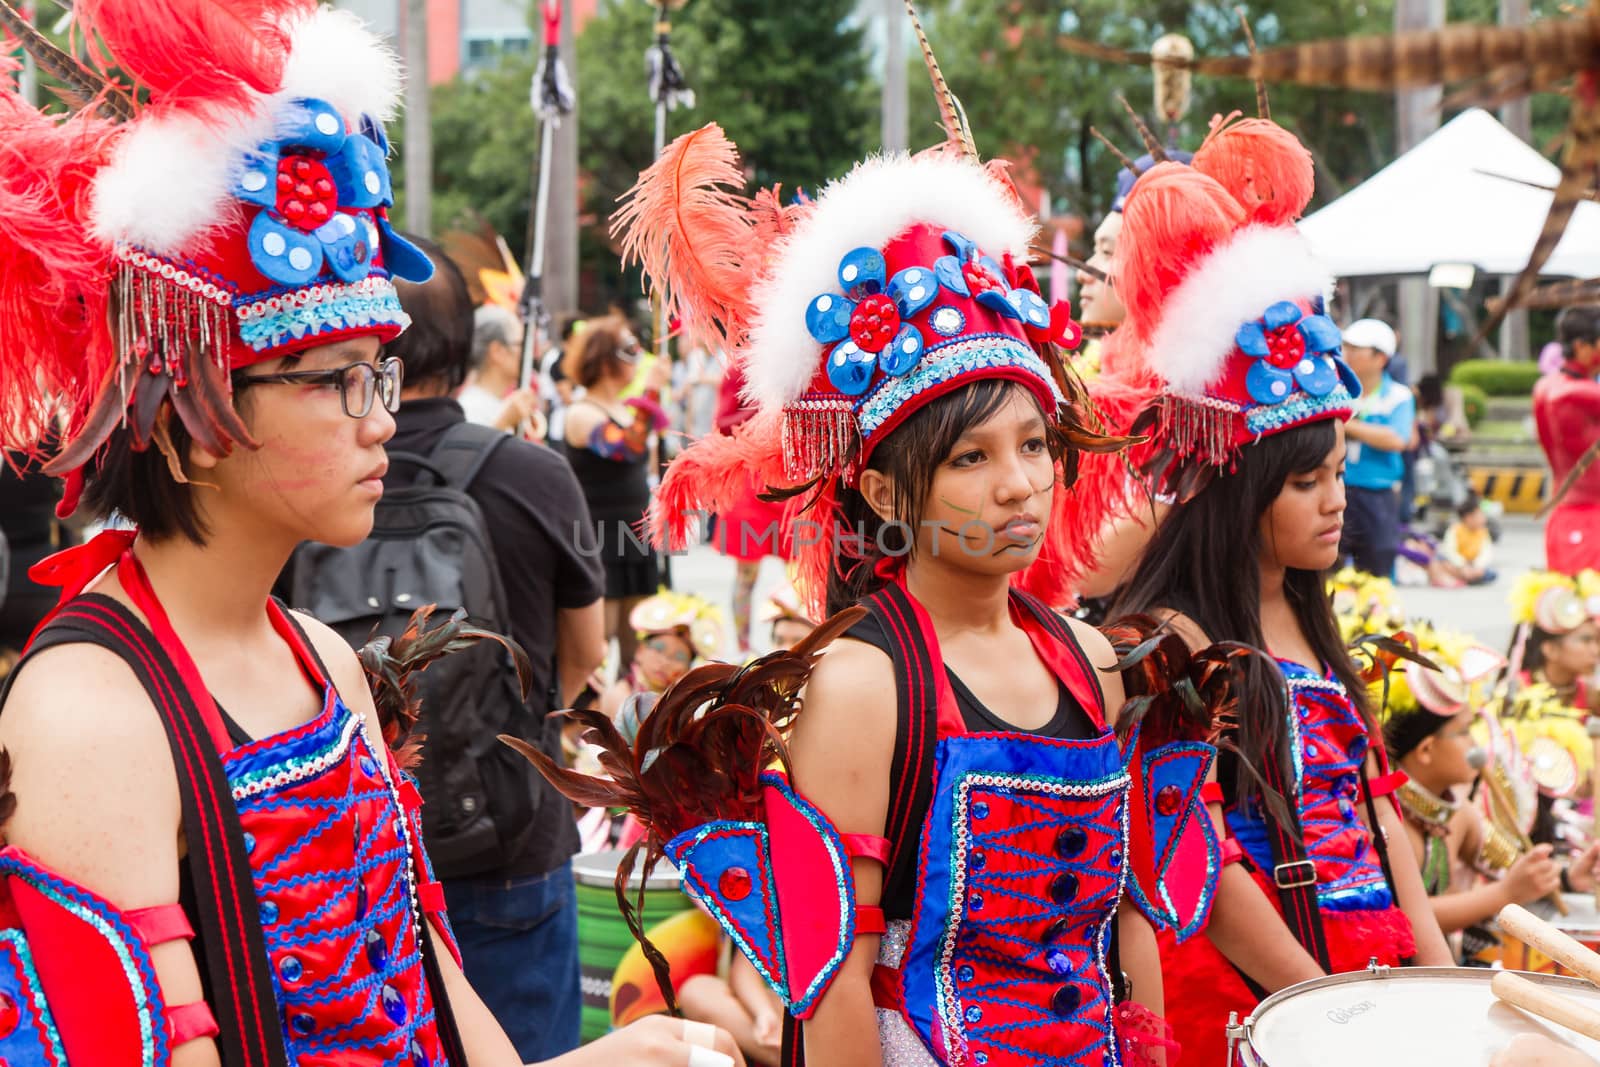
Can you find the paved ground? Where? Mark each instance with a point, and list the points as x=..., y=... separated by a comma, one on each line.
x=1481, y=610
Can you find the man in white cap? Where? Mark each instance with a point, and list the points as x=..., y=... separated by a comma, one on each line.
x=1377, y=437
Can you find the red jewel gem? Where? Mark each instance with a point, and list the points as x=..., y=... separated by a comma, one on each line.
x=1285, y=347
x=307, y=194
x=1167, y=800
x=734, y=883
x=874, y=322
x=10, y=1016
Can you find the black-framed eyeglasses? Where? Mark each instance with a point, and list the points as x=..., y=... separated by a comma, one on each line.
x=359, y=383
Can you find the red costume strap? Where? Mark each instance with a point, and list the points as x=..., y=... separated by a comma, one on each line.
x=870, y=920
x=160, y=924
x=187, y=1022
x=1232, y=852
x=71, y=570
x=1211, y=793
x=886, y=992
x=1385, y=784
x=867, y=846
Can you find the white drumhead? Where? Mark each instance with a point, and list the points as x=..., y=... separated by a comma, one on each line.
x=1419, y=1017
x=1582, y=921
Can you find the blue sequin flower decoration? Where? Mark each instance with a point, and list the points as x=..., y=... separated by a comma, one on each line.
x=1290, y=349
x=308, y=182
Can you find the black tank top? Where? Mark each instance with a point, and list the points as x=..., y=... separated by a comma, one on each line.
x=1070, y=721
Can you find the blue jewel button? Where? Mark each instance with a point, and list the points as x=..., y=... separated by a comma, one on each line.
x=1071, y=842
x=1055, y=931
x=1065, y=1001
x=980, y=1058
x=302, y=1023
x=965, y=973
x=1058, y=961
x=976, y=904
x=361, y=899
x=1064, y=887
x=393, y=1006
x=249, y=842
x=269, y=913
x=1115, y=858
x=377, y=951
x=369, y=766
x=979, y=860
x=1357, y=747
x=418, y=1057
x=289, y=969
x=1348, y=810
x=973, y=1015
x=980, y=809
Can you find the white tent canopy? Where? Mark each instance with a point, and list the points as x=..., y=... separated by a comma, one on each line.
x=1434, y=205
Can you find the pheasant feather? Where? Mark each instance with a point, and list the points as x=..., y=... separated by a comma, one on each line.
x=685, y=222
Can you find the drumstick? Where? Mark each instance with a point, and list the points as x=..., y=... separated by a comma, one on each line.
x=1534, y=932
x=1594, y=793
x=1533, y=998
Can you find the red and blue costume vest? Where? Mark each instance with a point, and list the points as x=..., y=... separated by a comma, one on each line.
x=309, y=883
x=1356, y=916
x=1019, y=847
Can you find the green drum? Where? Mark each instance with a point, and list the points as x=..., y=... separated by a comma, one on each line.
x=603, y=937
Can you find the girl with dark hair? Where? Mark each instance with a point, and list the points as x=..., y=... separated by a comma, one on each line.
x=213, y=850
x=1226, y=301
x=980, y=824
x=1559, y=622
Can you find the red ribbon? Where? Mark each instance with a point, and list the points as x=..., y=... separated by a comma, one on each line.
x=73, y=569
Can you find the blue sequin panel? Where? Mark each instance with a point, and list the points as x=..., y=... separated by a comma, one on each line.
x=1022, y=866
x=28, y=1034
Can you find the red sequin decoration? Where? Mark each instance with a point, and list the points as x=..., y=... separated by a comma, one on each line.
x=1168, y=797
x=734, y=883
x=1285, y=347
x=980, y=278
x=307, y=195
x=874, y=323
x=10, y=1016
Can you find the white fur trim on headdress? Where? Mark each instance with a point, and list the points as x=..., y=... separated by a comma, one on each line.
x=876, y=202
x=1235, y=284
x=334, y=57
x=171, y=178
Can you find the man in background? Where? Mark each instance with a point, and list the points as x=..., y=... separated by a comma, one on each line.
x=1376, y=439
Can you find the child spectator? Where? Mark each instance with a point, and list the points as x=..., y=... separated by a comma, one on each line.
x=1467, y=551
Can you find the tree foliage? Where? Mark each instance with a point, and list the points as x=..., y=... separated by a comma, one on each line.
x=790, y=84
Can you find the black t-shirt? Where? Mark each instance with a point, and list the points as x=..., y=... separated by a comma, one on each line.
x=533, y=509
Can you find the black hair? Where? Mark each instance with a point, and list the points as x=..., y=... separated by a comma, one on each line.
x=1469, y=505
x=1204, y=562
x=138, y=484
x=1403, y=733
x=908, y=457
x=1577, y=324
x=437, y=346
x=1533, y=651
x=1430, y=391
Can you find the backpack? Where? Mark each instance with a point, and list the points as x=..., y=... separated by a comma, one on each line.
x=429, y=545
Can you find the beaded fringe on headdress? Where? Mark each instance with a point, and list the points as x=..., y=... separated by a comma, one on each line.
x=819, y=437
x=1200, y=428
x=162, y=308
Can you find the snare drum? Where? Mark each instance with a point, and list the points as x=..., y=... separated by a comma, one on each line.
x=1417, y=1016
x=1581, y=923
x=603, y=936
